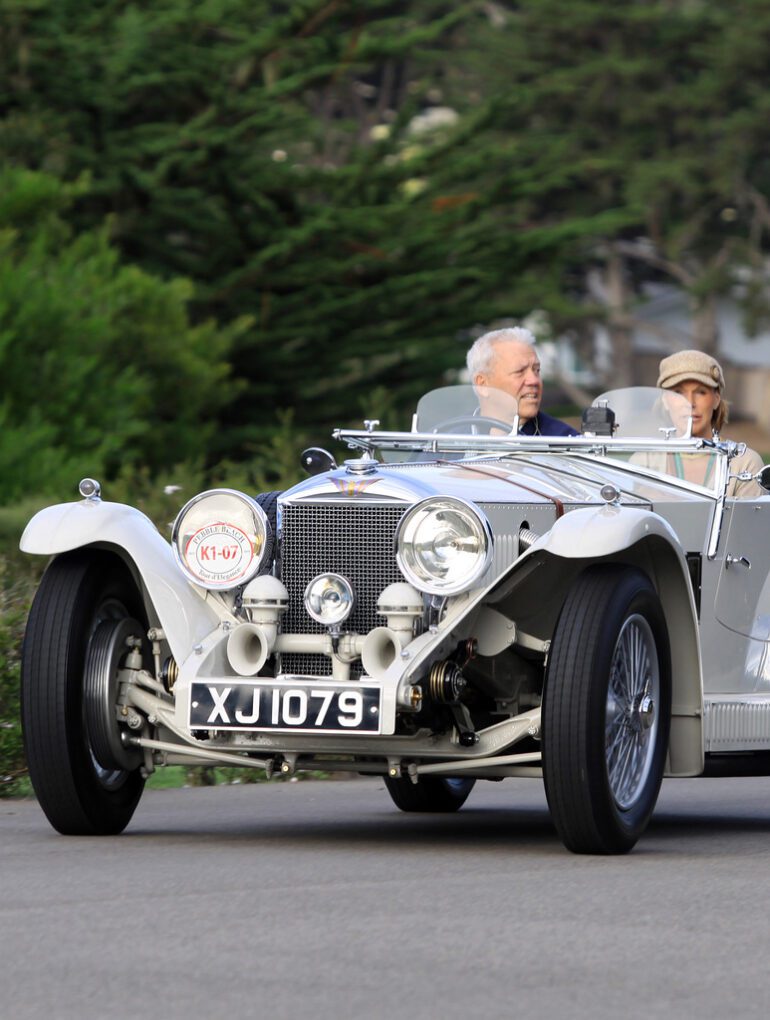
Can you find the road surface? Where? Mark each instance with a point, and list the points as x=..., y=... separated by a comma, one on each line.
x=321, y=900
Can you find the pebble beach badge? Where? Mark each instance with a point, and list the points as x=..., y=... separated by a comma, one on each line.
x=219, y=553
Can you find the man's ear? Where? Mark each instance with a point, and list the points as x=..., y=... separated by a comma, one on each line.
x=480, y=384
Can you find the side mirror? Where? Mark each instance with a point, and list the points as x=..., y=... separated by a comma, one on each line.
x=763, y=477
x=315, y=460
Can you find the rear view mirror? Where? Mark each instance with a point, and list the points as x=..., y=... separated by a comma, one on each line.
x=315, y=460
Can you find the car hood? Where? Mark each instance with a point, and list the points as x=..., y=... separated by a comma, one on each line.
x=482, y=480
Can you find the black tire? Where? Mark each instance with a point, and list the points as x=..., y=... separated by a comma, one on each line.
x=269, y=503
x=80, y=593
x=607, y=694
x=431, y=794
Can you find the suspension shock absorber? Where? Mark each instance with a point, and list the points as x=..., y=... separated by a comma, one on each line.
x=446, y=682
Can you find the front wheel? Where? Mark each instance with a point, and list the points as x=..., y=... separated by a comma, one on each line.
x=85, y=617
x=431, y=794
x=606, y=710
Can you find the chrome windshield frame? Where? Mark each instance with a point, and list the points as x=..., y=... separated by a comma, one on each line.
x=432, y=442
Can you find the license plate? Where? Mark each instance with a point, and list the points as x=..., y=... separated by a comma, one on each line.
x=290, y=705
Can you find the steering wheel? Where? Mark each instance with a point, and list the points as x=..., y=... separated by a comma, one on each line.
x=471, y=421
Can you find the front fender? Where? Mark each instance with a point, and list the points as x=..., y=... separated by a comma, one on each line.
x=638, y=538
x=183, y=614
x=594, y=532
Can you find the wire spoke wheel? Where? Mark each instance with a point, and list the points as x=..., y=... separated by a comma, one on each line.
x=606, y=710
x=633, y=695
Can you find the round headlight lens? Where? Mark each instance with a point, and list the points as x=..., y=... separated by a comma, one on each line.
x=329, y=599
x=220, y=538
x=443, y=545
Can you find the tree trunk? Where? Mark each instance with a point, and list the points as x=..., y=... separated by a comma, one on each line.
x=610, y=288
x=705, y=325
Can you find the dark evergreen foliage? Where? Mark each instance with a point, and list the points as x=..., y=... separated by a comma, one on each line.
x=269, y=152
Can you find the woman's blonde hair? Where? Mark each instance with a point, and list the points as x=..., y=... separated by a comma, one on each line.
x=721, y=415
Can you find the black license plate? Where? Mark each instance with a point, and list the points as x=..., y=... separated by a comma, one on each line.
x=291, y=705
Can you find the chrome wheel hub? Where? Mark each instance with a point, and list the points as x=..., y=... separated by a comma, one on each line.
x=631, y=721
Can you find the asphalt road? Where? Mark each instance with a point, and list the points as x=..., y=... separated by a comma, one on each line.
x=320, y=900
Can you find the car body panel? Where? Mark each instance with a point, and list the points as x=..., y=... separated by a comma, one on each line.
x=185, y=613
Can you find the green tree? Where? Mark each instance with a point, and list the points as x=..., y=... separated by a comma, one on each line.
x=101, y=367
x=278, y=154
x=646, y=125
x=267, y=152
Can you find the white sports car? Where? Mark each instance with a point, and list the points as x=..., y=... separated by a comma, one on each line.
x=456, y=603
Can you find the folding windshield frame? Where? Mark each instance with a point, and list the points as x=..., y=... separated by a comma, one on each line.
x=591, y=446
x=436, y=443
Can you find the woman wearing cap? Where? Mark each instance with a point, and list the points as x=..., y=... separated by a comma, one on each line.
x=699, y=379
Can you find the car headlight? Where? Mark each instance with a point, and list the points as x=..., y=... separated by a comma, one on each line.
x=443, y=545
x=329, y=599
x=220, y=538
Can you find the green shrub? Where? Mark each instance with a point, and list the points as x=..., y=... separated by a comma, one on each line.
x=101, y=365
x=18, y=579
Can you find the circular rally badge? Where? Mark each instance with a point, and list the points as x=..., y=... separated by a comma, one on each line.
x=219, y=554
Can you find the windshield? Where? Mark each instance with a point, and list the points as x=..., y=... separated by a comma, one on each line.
x=646, y=412
x=642, y=426
x=466, y=410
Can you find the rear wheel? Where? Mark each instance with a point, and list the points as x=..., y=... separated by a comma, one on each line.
x=606, y=710
x=431, y=794
x=85, y=616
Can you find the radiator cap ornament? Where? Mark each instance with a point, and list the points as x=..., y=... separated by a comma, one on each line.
x=364, y=465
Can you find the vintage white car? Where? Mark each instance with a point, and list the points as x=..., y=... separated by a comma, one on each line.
x=455, y=603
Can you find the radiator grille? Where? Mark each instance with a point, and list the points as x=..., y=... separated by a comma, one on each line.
x=352, y=539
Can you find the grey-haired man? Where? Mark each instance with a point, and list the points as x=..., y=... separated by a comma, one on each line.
x=507, y=360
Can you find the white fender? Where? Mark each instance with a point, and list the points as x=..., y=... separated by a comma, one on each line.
x=602, y=531
x=184, y=615
x=591, y=533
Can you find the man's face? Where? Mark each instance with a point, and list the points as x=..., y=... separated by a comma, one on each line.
x=515, y=370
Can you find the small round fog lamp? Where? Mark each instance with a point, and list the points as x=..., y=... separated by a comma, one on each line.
x=329, y=599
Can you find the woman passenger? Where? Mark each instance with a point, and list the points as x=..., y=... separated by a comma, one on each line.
x=699, y=379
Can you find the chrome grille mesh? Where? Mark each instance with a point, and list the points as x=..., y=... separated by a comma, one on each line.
x=352, y=539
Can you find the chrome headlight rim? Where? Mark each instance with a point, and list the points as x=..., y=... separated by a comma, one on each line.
x=261, y=528
x=349, y=605
x=438, y=587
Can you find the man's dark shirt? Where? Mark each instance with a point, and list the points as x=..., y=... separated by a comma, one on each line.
x=544, y=425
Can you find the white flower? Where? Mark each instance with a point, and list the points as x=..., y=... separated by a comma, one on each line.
x=412, y=187
x=380, y=132
x=432, y=119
